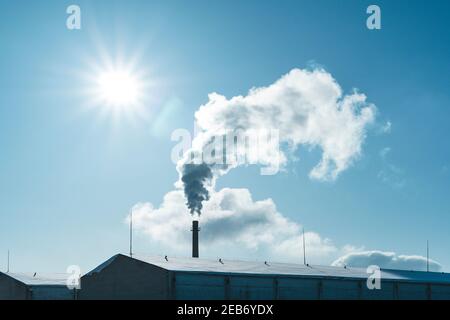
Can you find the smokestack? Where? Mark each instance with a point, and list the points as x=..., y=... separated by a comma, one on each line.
x=195, y=230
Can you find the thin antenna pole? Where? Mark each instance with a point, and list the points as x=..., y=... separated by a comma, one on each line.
x=304, y=248
x=7, y=269
x=131, y=234
x=428, y=257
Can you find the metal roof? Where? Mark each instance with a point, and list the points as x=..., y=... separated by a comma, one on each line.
x=274, y=268
x=39, y=279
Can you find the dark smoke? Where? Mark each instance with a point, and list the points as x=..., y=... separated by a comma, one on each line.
x=194, y=178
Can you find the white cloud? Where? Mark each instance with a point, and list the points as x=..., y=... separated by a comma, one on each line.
x=390, y=174
x=384, y=152
x=307, y=107
x=387, y=127
x=232, y=225
x=235, y=226
x=388, y=260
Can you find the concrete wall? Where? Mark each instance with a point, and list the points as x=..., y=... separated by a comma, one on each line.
x=11, y=289
x=339, y=289
x=298, y=289
x=440, y=292
x=251, y=288
x=51, y=293
x=196, y=285
x=188, y=286
x=387, y=292
x=126, y=278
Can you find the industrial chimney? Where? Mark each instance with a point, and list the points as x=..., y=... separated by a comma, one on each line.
x=195, y=230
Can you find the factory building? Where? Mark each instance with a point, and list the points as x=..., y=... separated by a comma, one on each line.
x=122, y=277
x=34, y=286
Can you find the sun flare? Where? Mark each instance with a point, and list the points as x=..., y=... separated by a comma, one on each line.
x=118, y=88
x=121, y=89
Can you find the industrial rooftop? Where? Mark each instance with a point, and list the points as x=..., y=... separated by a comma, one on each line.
x=40, y=279
x=273, y=268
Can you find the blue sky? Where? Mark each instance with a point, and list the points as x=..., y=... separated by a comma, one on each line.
x=68, y=176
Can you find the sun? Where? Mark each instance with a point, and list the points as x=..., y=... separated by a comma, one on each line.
x=118, y=88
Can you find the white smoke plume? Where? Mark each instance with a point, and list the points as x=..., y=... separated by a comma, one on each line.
x=306, y=107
